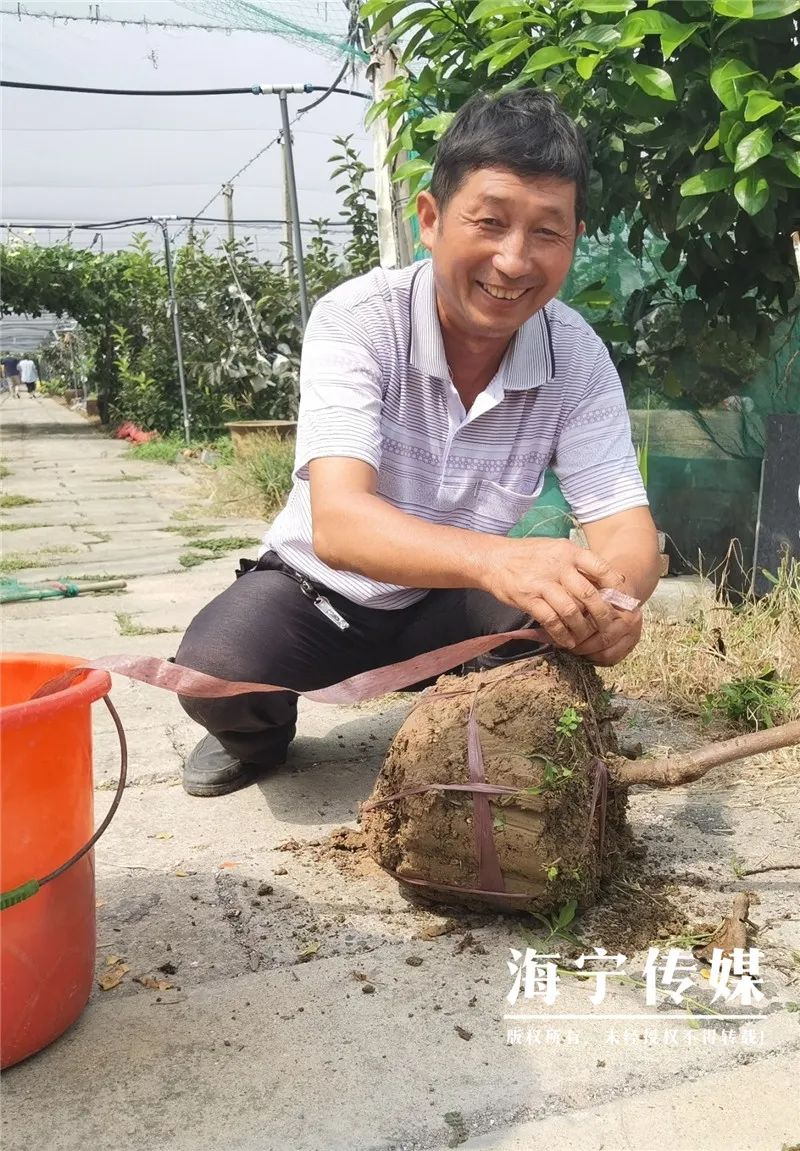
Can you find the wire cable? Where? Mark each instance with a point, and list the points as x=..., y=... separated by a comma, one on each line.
x=253, y=90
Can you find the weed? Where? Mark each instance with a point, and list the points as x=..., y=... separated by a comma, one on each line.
x=5, y=470
x=7, y=500
x=558, y=923
x=167, y=451
x=99, y=537
x=93, y=577
x=20, y=561
x=751, y=702
x=259, y=479
x=682, y=663
x=128, y=626
x=7, y=527
x=224, y=544
x=569, y=722
x=190, y=531
x=554, y=775
x=192, y=559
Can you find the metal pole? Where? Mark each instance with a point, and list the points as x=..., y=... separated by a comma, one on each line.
x=287, y=214
x=227, y=192
x=176, y=326
x=298, y=240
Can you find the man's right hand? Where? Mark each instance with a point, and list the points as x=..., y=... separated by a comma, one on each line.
x=557, y=583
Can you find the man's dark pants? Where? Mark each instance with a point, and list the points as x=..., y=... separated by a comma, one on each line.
x=265, y=629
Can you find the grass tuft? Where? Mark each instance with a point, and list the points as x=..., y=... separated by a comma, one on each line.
x=20, y=561
x=215, y=548
x=128, y=626
x=260, y=478
x=9, y=500
x=738, y=662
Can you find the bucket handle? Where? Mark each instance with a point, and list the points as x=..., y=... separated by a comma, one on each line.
x=29, y=888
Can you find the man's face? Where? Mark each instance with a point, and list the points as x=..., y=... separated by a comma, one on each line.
x=501, y=249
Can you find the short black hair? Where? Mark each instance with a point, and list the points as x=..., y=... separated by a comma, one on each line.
x=526, y=132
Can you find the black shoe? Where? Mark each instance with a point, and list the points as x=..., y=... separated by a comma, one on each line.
x=211, y=770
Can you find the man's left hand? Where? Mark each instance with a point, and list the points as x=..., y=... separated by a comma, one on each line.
x=617, y=639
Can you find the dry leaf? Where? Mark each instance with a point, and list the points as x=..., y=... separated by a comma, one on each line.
x=433, y=930
x=228, y=866
x=182, y=874
x=113, y=976
x=112, y=960
x=161, y=835
x=307, y=952
x=153, y=984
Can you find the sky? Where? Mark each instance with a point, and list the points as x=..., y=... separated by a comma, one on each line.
x=72, y=157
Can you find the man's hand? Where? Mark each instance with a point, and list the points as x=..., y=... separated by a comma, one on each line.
x=557, y=583
x=611, y=644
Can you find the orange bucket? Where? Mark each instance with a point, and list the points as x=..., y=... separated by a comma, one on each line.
x=47, y=928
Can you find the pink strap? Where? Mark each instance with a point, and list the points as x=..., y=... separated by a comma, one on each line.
x=366, y=685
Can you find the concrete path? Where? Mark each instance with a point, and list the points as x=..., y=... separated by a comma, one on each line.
x=311, y=1007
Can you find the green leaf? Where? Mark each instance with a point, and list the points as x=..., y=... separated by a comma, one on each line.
x=488, y=8
x=585, y=65
x=653, y=81
x=791, y=125
x=712, y=143
x=380, y=13
x=736, y=132
x=759, y=104
x=546, y=58
x=595, y=35
x=693, y=316
x=731, y=81
x=592, y=298
x=646, y=23
x=435, y=125
x=690, y=211
x=603, y=5
x=502, y=59
x=794, y=71
x=714, y=180
x=792, y=162
x=752, y=193
x=738, y=9
x=670, y=257
x=752, y=148
x=677, y=35
x=774, y=9
x=412, y=168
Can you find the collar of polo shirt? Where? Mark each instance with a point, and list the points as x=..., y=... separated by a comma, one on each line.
x=528, y=362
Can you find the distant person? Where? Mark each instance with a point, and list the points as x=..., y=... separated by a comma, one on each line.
x=11, y=373
x=28, y=375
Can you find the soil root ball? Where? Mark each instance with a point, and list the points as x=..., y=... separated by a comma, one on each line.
x=543, y=733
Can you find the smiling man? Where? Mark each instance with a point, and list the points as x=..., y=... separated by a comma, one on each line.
x=433, y=398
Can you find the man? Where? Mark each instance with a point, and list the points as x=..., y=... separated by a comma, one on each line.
x=28, y=374
x=11, y=373
x=433, y=398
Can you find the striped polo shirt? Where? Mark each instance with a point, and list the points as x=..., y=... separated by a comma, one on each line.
x=375, y=386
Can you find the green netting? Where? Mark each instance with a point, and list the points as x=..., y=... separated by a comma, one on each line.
x=12, y=591
x=325, y=26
